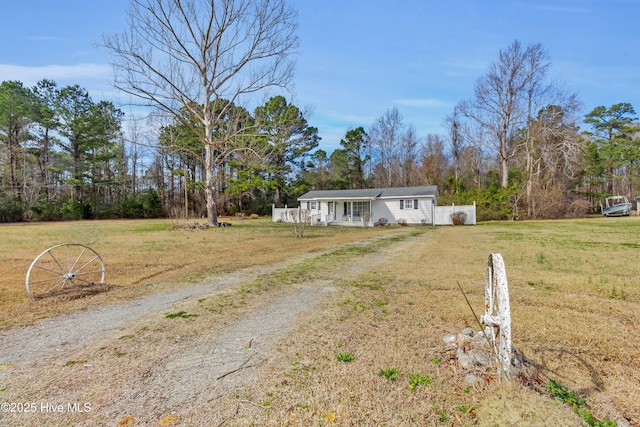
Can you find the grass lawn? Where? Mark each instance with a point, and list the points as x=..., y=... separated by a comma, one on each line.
x=373, y=354
x=575, y=293
x=143, y=256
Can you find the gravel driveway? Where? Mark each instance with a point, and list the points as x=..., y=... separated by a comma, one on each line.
x=127, y=364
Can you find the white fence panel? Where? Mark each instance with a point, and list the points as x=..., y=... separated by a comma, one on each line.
x=276, y=213
x=442, y=214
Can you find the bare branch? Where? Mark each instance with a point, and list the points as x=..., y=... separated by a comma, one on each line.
x=186, y=55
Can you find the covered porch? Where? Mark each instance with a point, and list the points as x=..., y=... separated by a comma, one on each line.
x=347, y=212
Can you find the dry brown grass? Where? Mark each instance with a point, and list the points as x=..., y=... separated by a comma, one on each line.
x=574, y=287
x=566, y=316
x=143, y=256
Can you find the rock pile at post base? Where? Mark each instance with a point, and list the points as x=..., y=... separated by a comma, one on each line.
x=472, y=354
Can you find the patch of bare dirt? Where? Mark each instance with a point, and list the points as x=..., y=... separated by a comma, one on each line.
x=78, y=291
x=191, y=226
x=515, y=406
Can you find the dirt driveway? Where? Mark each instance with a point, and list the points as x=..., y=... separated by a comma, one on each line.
x=164, y=359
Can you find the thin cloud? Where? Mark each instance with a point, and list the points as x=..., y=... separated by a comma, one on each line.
x=349, y=118
x=422, y=102
x=467, y=66
x=31, y=75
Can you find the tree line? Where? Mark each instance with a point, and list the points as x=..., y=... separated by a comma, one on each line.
x=64, y=156
x=515, y=146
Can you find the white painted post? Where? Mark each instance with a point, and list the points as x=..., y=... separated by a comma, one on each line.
x=497, y=317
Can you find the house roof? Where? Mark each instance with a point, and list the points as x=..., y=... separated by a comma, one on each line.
x=372, y=193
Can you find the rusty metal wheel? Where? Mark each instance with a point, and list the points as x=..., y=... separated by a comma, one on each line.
x=62, y=266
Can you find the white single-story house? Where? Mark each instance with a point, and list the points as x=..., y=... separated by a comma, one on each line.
x=413, y=205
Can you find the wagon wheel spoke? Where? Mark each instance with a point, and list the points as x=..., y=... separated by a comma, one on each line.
x=47, y=289
x=65, y=265
x=90, y=275
x=73, y=267
x=49, y=269
x=89, y=263
x=55, y=260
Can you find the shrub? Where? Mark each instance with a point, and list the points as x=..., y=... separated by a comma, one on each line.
x=402, y=222
x=45, y=211
x=234, y=209
x=131, y=207
x=99, y=211
x=152, y=204
x=71, y=210
x=88, y=211
x=10, y=209
x=577, y=209
x=366, y=217
x=381, y=222
x=459, y=218
x=146, y=204
x=297, y=218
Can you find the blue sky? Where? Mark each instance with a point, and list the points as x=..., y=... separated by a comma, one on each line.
x=359, y=58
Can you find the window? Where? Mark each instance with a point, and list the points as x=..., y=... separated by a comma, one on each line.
x=356, y=209
x=359, y=208
x=312, y=206
x=409, y=204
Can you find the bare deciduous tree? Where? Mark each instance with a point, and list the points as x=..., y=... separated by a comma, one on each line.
x=475, y=159
x=385, y=136
x=297, y=219
x=394, y=148
x=434, y=162
x=187, y=56
x=502, y=98
x=456, y=135
x=408, y=154
x=555, y=158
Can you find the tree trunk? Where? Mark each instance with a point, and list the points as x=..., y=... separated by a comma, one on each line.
x=504, y=165
x=210, y=187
